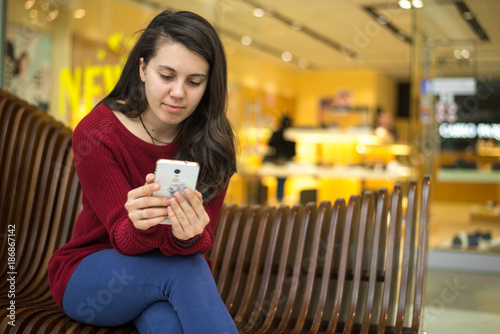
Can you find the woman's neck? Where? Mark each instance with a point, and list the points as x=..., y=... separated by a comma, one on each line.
x=160, y=133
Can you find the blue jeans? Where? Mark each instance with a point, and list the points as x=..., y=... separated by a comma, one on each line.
x=160, y=294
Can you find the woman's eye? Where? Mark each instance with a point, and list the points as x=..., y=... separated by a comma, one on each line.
x=194, y=83
x=166, y=77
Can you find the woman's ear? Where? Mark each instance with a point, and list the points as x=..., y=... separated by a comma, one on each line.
x=142, y=69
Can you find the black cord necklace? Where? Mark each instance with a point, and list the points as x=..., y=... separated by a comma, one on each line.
x=153, y=139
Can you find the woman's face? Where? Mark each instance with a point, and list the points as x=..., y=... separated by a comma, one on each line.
x=175, y=81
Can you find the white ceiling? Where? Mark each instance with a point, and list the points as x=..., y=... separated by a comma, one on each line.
x=438, y=25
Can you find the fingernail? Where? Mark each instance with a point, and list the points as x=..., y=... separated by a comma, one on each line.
x=188, y=191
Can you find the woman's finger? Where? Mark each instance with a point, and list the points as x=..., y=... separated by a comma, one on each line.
x=196, y=203
x=187, y=222
x=145, y=210
x=150, y=178
x=145, y=190
x=199, y=195
x=144, y=224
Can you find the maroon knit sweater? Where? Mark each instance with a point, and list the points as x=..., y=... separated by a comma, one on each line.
x=110, y=161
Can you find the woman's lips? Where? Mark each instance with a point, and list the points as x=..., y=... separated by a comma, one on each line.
x=173, y=108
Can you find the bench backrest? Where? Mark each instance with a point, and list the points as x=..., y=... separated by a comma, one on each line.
x=39, y=190
x=355, y=267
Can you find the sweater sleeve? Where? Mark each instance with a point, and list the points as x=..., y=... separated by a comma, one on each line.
x=105, y=185
x=206, y=241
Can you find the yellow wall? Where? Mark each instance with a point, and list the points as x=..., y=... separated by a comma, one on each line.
x=257, y=73
x=316, y=85
x=253, y=80
x=370, y=89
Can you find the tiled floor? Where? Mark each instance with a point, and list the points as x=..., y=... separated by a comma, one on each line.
x=456, y=321
x=460, y=302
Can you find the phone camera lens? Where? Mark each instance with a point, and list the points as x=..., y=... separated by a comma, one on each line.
x=177, y=171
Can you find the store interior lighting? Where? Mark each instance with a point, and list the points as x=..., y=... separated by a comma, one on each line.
x=41, y=12
x=472, y=21
x=258, y=12
x=383, y=21
x=296, y=25
x=407, y=4
x=79, y=13
x=286, y=56
x=246, y=40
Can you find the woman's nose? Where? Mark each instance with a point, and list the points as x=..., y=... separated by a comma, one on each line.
x=177, y=89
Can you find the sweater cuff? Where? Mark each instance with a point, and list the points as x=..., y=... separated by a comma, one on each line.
x=187, y=243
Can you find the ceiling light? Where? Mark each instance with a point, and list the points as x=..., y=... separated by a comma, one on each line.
x=246, y=40
x=417, y=3
x=28, y=4
x=401, y=35
x=457, y=54
x=52, y=15
x=79, y=13
x=286, y=56
x=466, y=54
x=45, y=6
x=405, y=4
x=382, y=20
x=471, y=20
x=468, y=16
x=296, y=25
x=303, y=63
x=258, y=12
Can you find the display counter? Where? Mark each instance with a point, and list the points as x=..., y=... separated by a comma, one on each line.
x=327, y=182
x=332, y=162
x=332, y=172
x=461, y=175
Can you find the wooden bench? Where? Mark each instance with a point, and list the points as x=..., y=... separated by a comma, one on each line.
x=334, y=267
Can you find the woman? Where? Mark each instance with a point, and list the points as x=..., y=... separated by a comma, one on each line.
x=121, y=264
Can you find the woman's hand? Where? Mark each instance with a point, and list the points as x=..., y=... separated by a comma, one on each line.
x=188, y=216
x=144, y=209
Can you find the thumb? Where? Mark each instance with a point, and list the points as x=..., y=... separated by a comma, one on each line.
x=150, y=178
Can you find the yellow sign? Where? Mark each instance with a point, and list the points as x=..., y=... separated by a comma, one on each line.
x=80, y=90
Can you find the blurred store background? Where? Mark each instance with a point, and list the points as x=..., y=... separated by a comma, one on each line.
x=379, y=92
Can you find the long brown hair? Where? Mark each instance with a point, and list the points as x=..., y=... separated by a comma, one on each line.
x=207, y=135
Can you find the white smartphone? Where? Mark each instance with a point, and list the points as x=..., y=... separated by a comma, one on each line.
x=175, y=175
